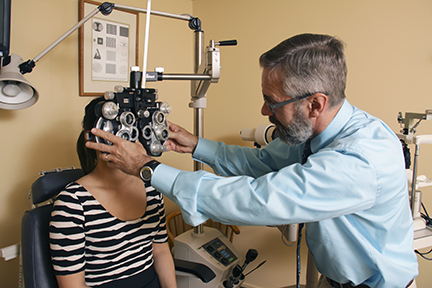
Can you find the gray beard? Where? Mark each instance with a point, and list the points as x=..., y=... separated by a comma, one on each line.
x=297, y=132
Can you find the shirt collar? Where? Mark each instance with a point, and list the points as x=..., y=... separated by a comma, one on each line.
x=327, y=136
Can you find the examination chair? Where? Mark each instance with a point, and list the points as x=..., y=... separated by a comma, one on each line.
x=35, y=249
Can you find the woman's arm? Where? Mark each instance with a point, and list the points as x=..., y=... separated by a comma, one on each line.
x=164, y=265
x=76, y=280
x=67, y=222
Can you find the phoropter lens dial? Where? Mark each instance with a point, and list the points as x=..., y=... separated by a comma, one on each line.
x=109, y=110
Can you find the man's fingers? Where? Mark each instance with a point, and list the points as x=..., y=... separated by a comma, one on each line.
x=99, y=146
x=105, y=135
x=173, y=127
x=107, y=158
x=173, y=134
x=170, y=145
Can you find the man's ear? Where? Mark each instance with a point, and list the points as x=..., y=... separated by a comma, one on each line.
x=317, y=104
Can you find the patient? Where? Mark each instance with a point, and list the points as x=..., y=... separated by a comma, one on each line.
x=107, y=229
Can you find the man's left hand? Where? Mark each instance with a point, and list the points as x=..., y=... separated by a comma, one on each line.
x=122, y=154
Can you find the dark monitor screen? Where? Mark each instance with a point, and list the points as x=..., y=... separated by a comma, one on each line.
x=5, y=11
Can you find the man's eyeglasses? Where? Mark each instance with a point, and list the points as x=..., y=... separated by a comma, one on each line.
x=283, y=103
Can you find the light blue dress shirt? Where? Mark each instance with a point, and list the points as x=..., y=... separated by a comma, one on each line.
x=351, y=193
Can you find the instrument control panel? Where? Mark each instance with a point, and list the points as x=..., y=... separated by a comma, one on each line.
x=219, y=251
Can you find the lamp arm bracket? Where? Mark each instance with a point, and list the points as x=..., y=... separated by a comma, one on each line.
x=27, y=66
x=195, y=24
x=106, y=8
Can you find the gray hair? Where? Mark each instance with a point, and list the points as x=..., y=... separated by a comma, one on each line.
x=309, y=63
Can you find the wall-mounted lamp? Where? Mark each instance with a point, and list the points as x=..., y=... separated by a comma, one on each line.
x=15, y=91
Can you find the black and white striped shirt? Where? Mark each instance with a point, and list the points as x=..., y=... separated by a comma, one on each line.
x=86, y=237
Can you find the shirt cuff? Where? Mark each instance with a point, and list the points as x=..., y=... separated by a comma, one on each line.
x=163, y=179
x=205, y=151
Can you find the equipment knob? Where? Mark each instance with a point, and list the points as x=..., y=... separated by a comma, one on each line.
x=109, y=95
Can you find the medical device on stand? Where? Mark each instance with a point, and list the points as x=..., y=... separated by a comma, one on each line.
x=214, y=250
x=409, y=124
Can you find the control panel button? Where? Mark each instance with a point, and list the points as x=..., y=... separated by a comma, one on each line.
x=219, y=251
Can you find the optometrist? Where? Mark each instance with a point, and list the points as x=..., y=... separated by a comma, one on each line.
x=333, y=167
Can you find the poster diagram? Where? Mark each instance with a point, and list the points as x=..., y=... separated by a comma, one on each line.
x=110, y=50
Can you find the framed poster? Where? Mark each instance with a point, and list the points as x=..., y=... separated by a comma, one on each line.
x=108, y=47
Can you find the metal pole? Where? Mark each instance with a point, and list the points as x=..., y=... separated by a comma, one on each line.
x=65, y=35
x=159, y=13
x=198, y=112
x=146, y=39
x=194, y=77
x=414, y=179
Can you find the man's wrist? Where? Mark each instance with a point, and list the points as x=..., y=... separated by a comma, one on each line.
x=196, y=145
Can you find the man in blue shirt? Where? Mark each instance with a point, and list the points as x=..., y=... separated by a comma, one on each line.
x=333, y=167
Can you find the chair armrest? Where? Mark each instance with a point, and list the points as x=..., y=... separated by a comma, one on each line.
x=235, y=229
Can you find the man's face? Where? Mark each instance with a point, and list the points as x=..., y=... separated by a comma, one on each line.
x=292, y=124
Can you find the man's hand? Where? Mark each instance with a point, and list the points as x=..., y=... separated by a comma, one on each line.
x=181, y=140
x=122, y=154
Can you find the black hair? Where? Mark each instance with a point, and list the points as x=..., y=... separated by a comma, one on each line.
x=88, y=157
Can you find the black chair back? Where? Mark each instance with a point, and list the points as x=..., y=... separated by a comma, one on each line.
x=35, y=249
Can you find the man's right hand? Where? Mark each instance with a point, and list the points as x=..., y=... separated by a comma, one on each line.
x=181, y=140
x=127, y=156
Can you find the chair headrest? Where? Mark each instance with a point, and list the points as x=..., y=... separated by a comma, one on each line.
x=52, y=182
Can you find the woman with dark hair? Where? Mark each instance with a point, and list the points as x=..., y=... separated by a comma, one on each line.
x=107, y=229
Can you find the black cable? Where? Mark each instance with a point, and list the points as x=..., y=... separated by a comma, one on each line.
x=424, y=208
x=259, y=265
x=217, y=227
x=422, y=254
x=425, y=253
x=300, y=227
x=283, y=237
x=428, y=220
x=426, y=215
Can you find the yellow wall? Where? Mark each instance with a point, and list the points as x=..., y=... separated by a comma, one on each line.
x=389, y=55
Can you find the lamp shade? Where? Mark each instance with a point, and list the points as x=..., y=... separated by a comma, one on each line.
x=15, y=91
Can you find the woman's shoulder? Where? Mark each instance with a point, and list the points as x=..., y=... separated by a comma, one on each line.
x=74, y=191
